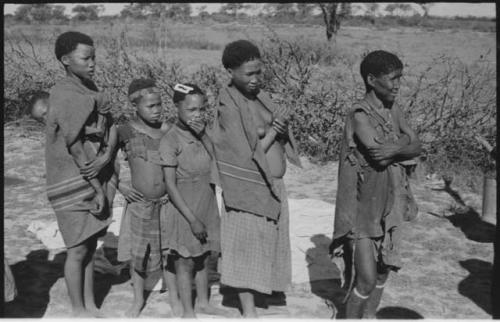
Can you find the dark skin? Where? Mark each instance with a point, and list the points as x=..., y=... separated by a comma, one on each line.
x=247, y=78
x=147, y=182
x=382, y=93
x=92, y=168
x=189, y=113
x=79, y=265
x=80, y=65
x=385, y=153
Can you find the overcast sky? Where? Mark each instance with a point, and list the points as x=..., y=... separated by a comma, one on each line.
x=438, y=9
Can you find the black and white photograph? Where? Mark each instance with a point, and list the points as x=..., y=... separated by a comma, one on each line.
x=331, y=160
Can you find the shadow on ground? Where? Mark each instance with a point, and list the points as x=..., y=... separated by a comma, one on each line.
x=468, y=220
x=104, y=282
x=12, y=181
x=477, y=286
x=472, y=226
x=35, y=276
x=396, y=312
x=324, y=276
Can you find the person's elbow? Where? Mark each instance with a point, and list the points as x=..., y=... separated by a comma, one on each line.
x=75, y=149
x=384, y=162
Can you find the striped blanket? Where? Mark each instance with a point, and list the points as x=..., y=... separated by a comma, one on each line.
x=74, y=110
x=243, y=168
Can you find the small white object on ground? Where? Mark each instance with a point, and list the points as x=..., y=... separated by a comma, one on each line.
x=311, y=230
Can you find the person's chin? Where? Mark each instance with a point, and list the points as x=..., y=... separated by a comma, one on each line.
x=391, y=98
x=253, y=90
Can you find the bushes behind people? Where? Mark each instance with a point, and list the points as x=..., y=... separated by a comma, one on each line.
x=447, y=100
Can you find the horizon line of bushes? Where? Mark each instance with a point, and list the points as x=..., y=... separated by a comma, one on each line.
x=484, y=24
x=447, y=103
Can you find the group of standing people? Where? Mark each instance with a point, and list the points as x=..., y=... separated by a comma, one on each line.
x=172, y=221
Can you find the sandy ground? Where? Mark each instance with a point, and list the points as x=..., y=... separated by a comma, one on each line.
x=447, y=251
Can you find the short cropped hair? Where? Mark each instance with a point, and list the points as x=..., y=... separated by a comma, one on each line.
x=239, y=52
x=138, y=85
x=379, y=62
x=180, y=96
x=68, y=41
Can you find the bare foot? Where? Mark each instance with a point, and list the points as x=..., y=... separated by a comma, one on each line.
x=250, y=315
x=95, y=312
x=189, y=315
x=210, y=310
x=176, y=307
x=135, y=310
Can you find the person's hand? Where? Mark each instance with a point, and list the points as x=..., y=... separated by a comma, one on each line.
x=92, y=168
x=199, y=230
x=100, y=200
x=282, y=115
x=130, y=194
x=280, y=127
x=383, y=151
x=197, y=125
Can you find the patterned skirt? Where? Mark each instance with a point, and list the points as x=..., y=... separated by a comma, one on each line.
x=255, y=251
x=176, y=234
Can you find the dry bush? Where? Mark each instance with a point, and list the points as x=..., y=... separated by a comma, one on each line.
x=448, y=104
x=447, y=101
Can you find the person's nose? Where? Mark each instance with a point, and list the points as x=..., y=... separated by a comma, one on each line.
x=397, y=84
x=256, y=79
x=157, y=109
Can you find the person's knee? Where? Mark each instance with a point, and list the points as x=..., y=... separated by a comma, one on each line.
x=185, y=264
x=366, y=283
x=77, y=253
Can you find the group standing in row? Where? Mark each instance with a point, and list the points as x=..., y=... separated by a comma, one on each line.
x=172, y=221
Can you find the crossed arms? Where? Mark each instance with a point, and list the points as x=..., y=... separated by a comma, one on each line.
x=386, y=153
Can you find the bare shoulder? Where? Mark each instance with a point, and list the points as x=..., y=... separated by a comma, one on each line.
x=360, y=116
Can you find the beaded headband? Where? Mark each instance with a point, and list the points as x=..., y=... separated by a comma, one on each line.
x=143, y=92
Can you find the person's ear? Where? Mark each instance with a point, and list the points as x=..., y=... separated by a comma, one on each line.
x=230, y=71
x=370, y=79
x=65, y=60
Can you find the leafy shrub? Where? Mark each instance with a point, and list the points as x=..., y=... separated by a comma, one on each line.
x=447, y=102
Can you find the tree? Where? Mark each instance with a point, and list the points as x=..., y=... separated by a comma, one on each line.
x=180, y=11
x=400, y=7
x=284, y=10
x=333, y=13
x=426, y=6
x=136, y=10
x=58, y=12
x=202, y=12
x=39, y=13
x=329, y=11
x=390, y=8
x=304, y=9
x=90, y=12
x=371, y=8
x=232, y=8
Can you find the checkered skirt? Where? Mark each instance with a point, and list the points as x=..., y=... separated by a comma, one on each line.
x=256, y=251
